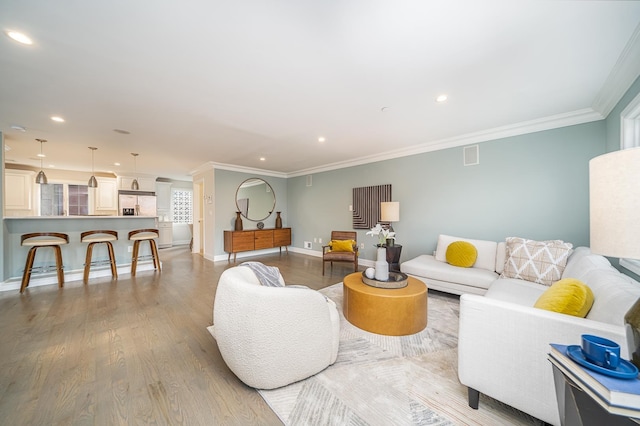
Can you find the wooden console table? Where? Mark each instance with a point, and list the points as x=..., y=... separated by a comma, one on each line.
x=256, y=239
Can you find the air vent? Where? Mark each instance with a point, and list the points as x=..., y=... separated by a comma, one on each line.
x=471, y=155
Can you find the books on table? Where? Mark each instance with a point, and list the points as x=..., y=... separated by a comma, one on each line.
x=618, y=396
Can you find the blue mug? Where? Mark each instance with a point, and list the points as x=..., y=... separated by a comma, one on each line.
x=600, y=351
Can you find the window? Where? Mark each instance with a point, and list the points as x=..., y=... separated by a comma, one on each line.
x=182, y=206
x=51, y=199
x=56, y=199
x=630, y=125
x=78, y=200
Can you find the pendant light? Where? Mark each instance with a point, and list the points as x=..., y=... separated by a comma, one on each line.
x=41, y=178
x=134, y=184
x=93, y=183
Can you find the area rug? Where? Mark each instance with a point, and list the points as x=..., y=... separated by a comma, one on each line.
x=388, y=380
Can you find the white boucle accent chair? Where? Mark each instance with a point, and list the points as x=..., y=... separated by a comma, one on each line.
x=273, y=336
x=503, y=340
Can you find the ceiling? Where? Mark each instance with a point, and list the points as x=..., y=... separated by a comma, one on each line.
x=198, y=81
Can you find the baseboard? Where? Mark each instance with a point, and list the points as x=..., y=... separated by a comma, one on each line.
x=13, y=283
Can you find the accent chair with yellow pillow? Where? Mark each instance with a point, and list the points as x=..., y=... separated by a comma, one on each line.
x=343, y=247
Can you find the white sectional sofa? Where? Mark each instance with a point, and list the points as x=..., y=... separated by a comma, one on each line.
x=503, y=340
x=437, y=274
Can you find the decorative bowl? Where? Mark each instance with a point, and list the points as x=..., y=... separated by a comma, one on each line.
x=396, y=280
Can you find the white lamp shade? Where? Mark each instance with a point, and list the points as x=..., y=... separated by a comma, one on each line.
x=390, y=211
x=614, y=195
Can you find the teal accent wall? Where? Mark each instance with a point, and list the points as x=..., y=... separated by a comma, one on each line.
x=533, y=186
x=226, y=184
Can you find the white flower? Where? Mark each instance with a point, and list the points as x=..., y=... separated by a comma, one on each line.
x=382, y=234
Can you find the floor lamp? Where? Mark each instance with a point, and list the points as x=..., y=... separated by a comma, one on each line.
x=614, y=200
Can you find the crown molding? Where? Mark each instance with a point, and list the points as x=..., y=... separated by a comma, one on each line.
x=624, y=73
x=582, y=116
x=249, y=170
x=586, y=115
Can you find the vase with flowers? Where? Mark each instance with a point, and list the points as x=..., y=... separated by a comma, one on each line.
x=381, y=265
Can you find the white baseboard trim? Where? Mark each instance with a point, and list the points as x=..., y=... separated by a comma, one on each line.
x=51, y=278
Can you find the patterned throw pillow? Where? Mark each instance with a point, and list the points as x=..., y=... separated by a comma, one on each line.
x=539, y=261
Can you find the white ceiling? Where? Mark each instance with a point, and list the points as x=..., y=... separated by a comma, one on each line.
x=199, y=81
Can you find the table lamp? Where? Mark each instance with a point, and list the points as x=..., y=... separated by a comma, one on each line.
x=390, y=212
x=614, y=199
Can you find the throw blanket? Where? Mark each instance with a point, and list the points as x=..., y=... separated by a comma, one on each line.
x=267, y=275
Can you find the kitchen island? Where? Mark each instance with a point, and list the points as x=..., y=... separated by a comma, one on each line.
x=73, y=254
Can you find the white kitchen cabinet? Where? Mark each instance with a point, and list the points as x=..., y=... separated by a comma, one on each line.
x=163, y=194
x=144, y=183
x=165, y=237
x=19, y=190
x=106, y=194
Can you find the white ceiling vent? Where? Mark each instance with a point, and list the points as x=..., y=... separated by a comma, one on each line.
x=471, y=155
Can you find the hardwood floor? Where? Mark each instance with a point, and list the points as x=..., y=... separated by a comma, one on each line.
x=131, y=351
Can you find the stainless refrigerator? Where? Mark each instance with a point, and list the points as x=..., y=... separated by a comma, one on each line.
x=137, y=203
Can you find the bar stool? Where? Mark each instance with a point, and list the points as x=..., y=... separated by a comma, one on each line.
x=98, y=237
x=139, y=235
x=36, y=240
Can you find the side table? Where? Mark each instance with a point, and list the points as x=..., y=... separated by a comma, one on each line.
x=577, y=408
x=393, y=257
x=392, y=312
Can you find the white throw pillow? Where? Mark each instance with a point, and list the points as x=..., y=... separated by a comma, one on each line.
x=541, y=262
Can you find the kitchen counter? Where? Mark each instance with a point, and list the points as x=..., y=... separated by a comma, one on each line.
x=73, y=254
x=77, y=217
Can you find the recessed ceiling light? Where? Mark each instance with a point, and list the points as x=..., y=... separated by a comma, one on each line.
x=116, y=164
x=57, y=119
x=321, y=139
x=263, y=159
x=441, y=98
x=19, y=37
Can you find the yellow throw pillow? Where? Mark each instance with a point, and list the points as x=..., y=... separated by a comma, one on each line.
x=461, y=253
x=567, y=296
x=342, y=245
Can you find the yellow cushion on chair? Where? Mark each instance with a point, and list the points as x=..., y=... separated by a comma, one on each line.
x=461, y=253
x=342, y=245
x=567, y=296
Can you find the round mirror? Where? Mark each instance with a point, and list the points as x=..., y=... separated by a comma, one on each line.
x=255, y=199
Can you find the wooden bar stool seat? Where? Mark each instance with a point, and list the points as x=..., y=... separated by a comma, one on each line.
x=37, y=240
x=99, y=237
x=139, y=235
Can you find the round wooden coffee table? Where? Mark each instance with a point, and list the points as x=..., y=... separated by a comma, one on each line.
x=392, y=312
